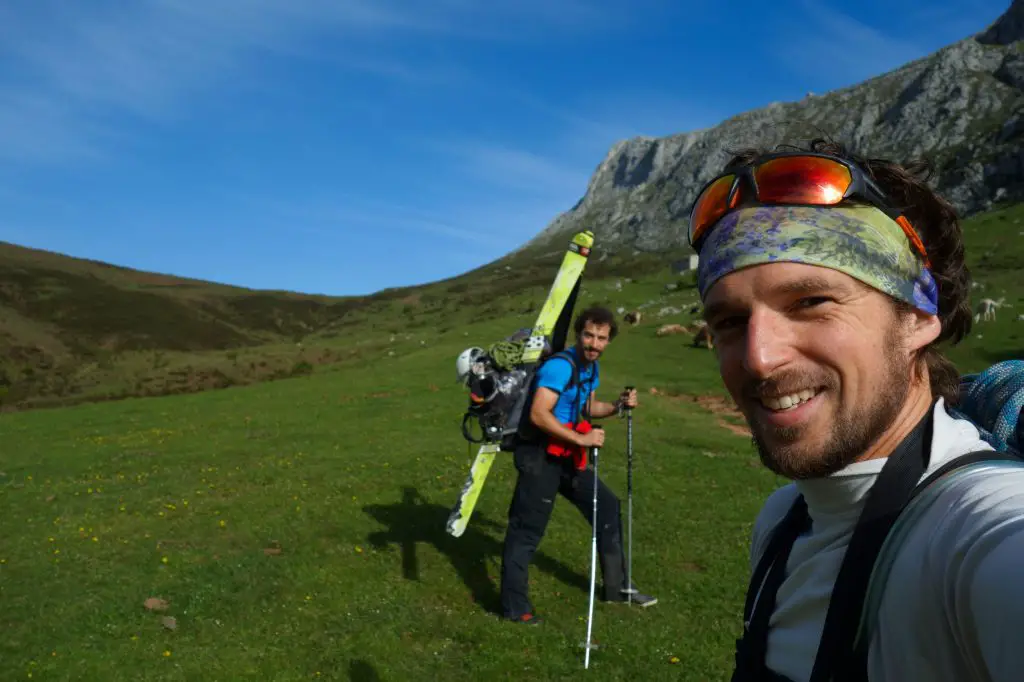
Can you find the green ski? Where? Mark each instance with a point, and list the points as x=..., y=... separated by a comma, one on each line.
x=549, y=330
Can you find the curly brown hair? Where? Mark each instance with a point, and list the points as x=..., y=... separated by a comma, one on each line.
x=598, y=315
x=938, y=225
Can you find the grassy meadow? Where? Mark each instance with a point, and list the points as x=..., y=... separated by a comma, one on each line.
x=294, y=529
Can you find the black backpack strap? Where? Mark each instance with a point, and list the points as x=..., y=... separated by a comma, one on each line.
x=574, y=380
x=590, y=393
x=886, y=499
x=896, y=487
x=525, y=431
x=856, y=669
x=752, y=647
x=963, y=461
x=899, y=482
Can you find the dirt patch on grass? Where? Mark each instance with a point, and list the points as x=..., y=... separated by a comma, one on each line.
x=723, y=408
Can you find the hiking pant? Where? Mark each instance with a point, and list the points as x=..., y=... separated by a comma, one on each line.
x=541, y=477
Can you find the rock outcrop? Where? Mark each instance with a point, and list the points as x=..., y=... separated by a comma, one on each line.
x=962, y=107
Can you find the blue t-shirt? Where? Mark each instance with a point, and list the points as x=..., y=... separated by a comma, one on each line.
x=556, y=373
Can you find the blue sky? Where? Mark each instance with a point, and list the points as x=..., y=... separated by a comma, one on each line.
x=345, y=146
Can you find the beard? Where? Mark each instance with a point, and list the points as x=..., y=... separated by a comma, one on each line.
x=585, y=350
x=854, y=428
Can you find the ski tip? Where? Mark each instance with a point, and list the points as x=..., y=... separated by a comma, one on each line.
x=584, y=239
x=456, y=524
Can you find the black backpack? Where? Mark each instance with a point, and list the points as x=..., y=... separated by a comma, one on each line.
x=528, y=432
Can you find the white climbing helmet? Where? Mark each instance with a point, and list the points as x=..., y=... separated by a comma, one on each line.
x=464, y=363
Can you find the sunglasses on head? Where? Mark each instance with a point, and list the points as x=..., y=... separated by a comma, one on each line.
x=790, y=178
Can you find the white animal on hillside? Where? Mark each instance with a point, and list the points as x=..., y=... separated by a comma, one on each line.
x=986, y=309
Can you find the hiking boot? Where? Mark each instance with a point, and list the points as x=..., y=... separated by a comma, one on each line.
x=527, y=619
x=638, y=598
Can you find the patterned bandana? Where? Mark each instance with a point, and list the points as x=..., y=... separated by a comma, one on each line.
x=861, y=241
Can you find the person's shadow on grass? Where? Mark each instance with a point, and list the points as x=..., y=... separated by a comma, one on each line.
x=415, y=520
x=361, y=671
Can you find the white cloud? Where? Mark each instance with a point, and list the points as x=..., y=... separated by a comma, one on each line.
x=87, y=67
x=75, y=69
x=336, y=216
x=509, y=168
x=836, y=46
x=34, y=127
x=830, y=45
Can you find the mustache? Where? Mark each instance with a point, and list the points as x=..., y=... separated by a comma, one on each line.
x=787, y=383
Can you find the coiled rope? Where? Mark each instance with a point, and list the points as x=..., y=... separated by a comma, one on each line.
x=994, y=400
x=506, y=354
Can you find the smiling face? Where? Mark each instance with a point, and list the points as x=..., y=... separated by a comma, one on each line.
x=819, y=363
x=592, y=340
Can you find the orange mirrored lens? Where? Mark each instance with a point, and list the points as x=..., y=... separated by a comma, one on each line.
x=711, y=206
x=802, y=180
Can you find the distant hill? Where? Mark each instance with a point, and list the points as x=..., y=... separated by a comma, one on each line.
x=74, y=329
x=59, y=314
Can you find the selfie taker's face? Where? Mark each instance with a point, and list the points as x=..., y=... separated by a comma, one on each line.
x=816, y=361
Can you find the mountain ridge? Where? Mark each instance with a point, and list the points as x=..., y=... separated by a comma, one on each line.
x=962, y=106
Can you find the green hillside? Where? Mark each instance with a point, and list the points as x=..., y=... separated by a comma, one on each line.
x=73, y=330
x=294, y=530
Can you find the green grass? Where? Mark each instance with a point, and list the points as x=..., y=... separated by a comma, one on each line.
x=352, y=475
x=348, y=467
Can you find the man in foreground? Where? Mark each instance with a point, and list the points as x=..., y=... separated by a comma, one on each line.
x=551, y=458
x=826, y=291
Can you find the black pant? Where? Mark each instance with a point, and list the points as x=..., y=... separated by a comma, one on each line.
x=541, y=476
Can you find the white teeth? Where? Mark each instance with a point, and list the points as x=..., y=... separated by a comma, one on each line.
x=787, y=402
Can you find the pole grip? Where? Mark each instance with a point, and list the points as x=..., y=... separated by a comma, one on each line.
x=628, y=410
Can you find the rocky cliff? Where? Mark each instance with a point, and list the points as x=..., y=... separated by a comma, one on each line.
x=962, y=107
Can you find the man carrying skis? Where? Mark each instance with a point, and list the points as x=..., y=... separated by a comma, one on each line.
x=827, y=281
x=551, y=458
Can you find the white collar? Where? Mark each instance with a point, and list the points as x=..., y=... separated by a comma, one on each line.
x=842, y=494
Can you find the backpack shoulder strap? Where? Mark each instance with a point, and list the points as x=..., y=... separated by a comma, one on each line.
x=764, y=585
x=574, y=378
x=921, y=499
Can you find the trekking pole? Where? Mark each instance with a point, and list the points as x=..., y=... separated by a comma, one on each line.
x=593, y=563
x=629, y=502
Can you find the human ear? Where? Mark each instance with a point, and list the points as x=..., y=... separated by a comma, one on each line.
x=923, y=330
